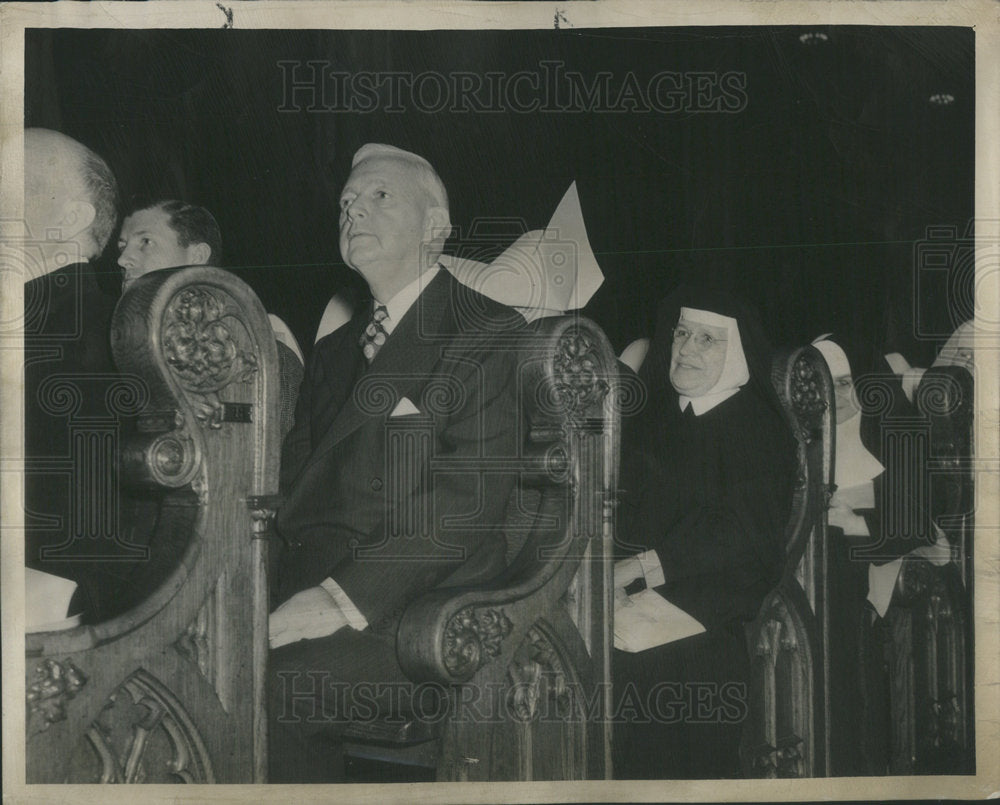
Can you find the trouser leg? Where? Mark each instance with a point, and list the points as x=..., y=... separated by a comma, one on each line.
x=317, y=688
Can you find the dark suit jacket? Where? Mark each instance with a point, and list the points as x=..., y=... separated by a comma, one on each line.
x=391, y=506
x=69, y=377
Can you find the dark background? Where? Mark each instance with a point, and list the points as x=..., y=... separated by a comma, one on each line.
x=812, y=200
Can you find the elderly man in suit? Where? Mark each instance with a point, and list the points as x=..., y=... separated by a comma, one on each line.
x=397, y=471
x=70, y=213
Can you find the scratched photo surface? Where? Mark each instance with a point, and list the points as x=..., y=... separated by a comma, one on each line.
x=798, y=200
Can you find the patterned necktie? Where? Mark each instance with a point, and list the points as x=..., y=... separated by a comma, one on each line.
x=374, y=336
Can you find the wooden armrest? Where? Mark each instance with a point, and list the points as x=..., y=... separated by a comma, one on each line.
x=447, y=634
x=569, y=381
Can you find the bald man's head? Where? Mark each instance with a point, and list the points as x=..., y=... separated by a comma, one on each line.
x=70, y=194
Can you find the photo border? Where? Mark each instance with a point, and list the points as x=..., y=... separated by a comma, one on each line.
x=984, y=16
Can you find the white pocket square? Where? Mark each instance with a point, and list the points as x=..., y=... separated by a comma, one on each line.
x=404, y=408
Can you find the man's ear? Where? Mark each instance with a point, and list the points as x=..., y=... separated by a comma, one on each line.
x=437, y=228
x=77, y=216
x=438, y=225
x=199, y=254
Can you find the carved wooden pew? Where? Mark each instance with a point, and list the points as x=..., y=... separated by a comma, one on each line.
x=898, y=698
x=927, y=631
x=526, y=657
x=172, y=690
x=904, y=702
x=945, y=397
x=786, y=733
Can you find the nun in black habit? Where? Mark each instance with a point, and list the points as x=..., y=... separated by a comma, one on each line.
x=865, y=546
x=707, y=473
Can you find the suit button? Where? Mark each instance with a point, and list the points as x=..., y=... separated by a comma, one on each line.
x=376, y=484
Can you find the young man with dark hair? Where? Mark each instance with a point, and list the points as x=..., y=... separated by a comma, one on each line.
x=167, y=234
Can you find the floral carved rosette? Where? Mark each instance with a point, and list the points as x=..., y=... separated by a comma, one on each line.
x=199, y=342
x=807, y=390
x=472, y=637
x=577, y=373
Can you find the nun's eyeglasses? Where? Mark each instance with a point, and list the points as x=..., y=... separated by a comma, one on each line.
x=701, y=340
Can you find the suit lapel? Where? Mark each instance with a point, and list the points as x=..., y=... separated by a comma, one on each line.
x=403, y=363
x=340, y=353
x=342, y=363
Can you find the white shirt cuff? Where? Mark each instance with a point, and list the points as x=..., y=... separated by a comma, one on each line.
x=651, y=569
x=351, y=613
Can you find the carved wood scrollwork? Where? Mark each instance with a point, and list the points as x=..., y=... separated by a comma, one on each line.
x=172, y=459
x=161, y=452
x=918, y=579
x=472, y=637
x=944, y=721
x=781, y=762
x=263, y=509
x=579, y=383
x=537, y=674
x=55, y=684
x=204, y=344
x=929, y=675
x=143, y=735
x=806, y=392
x=780, y=667
x=202, y=643
x=194, y=643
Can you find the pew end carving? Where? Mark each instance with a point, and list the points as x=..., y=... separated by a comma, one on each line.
x=171, y=690
x=928, y=628
x=908, y=707
x=786, y=731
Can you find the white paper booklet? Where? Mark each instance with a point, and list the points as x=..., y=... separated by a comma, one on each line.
x=647, y=619
x=46, y=602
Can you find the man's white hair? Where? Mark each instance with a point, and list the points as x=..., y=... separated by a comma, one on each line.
x=426, y=175
x=70, y=168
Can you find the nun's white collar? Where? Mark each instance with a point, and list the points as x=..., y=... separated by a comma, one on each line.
x=706, y=402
